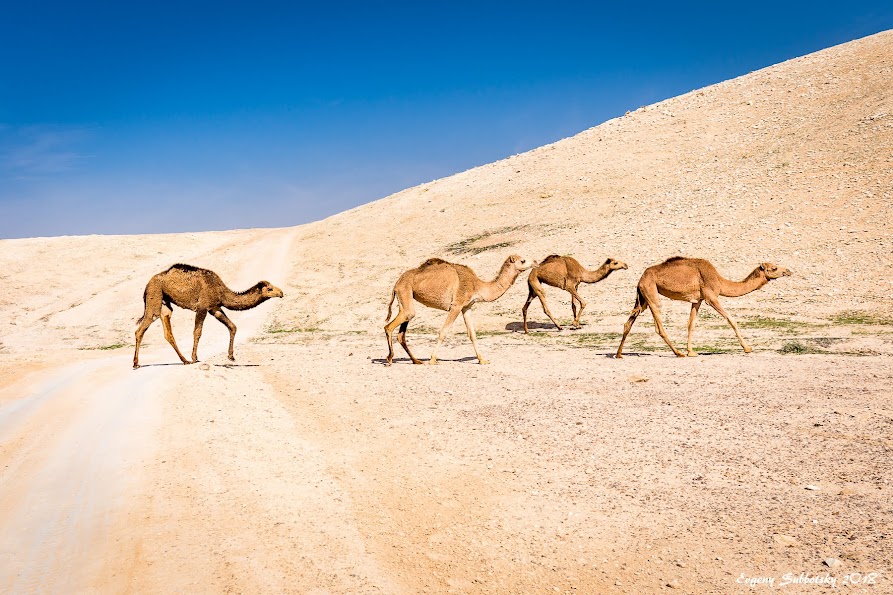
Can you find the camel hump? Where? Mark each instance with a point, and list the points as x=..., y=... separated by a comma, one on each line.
x=551, y=258
x=186, y=268
x=675, y=259
x=432, y=262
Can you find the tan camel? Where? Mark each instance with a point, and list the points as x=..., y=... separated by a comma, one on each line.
x=564, y=273
x=693, y=280
x=201, y=291
x=446, y=286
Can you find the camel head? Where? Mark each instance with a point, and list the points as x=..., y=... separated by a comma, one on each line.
x=615, y=265
x=774, y=271
x=268, y=290
x=517, y=263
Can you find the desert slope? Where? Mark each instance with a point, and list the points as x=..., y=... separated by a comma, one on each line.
x=791, y=164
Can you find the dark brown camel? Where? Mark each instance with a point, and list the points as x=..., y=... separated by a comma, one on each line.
x=693, y=280
x=564, y=272
x=201, y=291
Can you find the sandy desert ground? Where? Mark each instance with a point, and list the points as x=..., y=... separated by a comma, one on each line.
x=310, y=467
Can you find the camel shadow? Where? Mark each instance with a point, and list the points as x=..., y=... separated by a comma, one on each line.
x=518, y=327
x=406, y=360
x=613, y=355
x=198, y=363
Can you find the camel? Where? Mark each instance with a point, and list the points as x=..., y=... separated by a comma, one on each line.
x=693, y=280
x=201, y=291
x=564, y=273
x=454, y=288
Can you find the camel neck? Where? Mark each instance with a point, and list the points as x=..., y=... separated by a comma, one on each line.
x=752, y=282
x=493, y=290
x=243, y=300
x=596, y=275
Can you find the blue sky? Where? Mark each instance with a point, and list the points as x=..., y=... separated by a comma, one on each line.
x=164, y=117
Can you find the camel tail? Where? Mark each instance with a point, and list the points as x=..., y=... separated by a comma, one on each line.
x=140, y=320
x=640, y=301
x=391, y=303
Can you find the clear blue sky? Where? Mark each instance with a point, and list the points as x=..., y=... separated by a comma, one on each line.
x=141, y=117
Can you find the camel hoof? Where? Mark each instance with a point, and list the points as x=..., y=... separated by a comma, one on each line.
x=748, y=350
x=692, y=354
x=136, y=366
x=618, y=356
x=387, y=364
x=231, y=358
x=680, y=354
x=418, y=362
x=432, y=361
x=483, y=362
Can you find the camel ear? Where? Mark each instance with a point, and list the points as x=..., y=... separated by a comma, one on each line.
x=763, y=266
x=513, y=259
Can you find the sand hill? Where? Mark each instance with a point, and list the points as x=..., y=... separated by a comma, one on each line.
x=324, y=470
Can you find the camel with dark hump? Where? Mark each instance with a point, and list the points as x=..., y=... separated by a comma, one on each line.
x=564, y=272
x=201, y=291
x=693, y=280
x=454, y=288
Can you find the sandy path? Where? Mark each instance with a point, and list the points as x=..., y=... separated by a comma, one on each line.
x=68, y=456
x=75, y=439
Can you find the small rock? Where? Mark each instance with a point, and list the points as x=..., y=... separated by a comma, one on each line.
x=831, y=562
x=784, y=540
x=674, y=584
x=204, y=367
x=846, y=492
x=680, y=564
x=813, y=488
x=638, y=378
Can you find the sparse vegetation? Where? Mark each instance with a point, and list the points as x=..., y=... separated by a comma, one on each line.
x=860, y=317
x=782, y=324
x=596, y=339
x=105, y=347
x=798, y=348
x=468, y=245
x=306, y=329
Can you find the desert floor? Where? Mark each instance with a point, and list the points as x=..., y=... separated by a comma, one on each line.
x=308, y=466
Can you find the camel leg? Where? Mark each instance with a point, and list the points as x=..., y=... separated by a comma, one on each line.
x=197, y=332
x=219, y=315
x=714, y=303
x=169, y=334
x=401, y=337
x=691, y=326
x=638, y=308
x=659, y=325
x=450, y=319
x=152, y=303
x=404, y=315
x=148, y=319
x=469, y=326
x=534, y=284
x=577, y=313
x=530, y=295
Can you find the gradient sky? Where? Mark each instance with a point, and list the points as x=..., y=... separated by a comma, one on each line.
x=144, y=117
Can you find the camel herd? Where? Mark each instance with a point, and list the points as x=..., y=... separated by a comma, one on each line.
x=455, y=288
